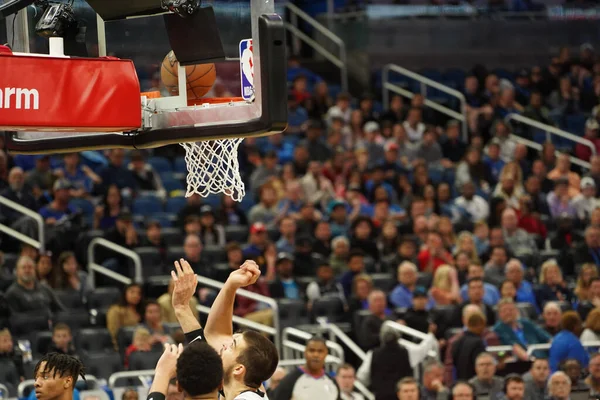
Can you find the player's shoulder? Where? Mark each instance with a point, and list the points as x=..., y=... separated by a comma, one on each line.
x=252, y=396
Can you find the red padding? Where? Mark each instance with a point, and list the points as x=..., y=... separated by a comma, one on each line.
x=68, y=94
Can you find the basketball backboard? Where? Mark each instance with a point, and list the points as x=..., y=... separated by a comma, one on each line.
x=146, y=40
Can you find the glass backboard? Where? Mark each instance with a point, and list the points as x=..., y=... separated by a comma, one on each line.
x=145, y=41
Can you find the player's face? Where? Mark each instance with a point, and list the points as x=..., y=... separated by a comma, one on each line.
x=230, y=352
x=49, y=386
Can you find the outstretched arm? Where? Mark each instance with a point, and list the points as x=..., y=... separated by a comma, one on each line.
x=185, y=282
x=219, y=326
x=166, y=369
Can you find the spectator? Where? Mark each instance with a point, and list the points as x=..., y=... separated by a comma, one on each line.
x=517, y=332
x=402, y=294
x=146, y=178
x=166, y=307
x=43, y=268
x=19, y=193
x=287, y=241
x=59, y=208
x=591, y=333
x=70, y=277
x=434, y=255
x=339, y=256
x=536, y=379
x=593, y=301
x=257, y=244
x=128, y=311
x=475, y=294
x=285, y=285
x=362, y=237
x=471, y=206
x=486, y=381
x=230, y=213
x=518, y=241
x=267, y=170
x=125, y=235
x=322, y=244
x=81, y=177
x=267, y=210
x=368, y=332
x=40, y=179
x=154, y=238
x=11, y=354
x=413, y=125
x=27, y=295
x=589, y=252
x=559, y=386
x=514, y=387
x=586, y=202
x=429, y=149
x=107, y=213
x=317, y=188
x=408, y=389
x=311, y=381
x=552, y=285
x=275, y=380
x=386, y=365
x=463, y=390
x=559, y=201
x=362, y=285
x=491, y=296
x=466, y=349
x=191, y=208
x=566, y=343
x=142, y=342
x=572, y=368
x=587, y=273
x=563, y=171
x=444, y=289
x=433, y=385
x=345, y=378
x=115, y=173
x=552, y=317
x=324, y=286
x=153, y=321
x=473, y=169
x=593, y=379
x=417, y=316
x=211, y=233
x=62, y=340
x=356, y=266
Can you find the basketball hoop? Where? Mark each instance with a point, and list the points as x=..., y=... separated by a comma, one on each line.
x=212, y=165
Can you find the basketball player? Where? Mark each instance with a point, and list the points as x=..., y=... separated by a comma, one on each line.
x=55, y=376
x=249, y=358
x=198, y=369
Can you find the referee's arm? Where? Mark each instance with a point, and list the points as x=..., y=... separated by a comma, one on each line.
x=184, y=287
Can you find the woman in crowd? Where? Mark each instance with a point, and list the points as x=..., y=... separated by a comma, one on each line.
x=70, y=277
x=127, y=312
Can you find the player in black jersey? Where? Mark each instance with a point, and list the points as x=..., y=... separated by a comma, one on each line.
x=249, y=358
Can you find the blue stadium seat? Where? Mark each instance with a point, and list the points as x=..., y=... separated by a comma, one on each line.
x=436, y=175
x=432, y=74
x=180, y=165
x=147, y=206
x=175, y=204
x=504, y=74
x=160, y=164
x=456, y=75
x=213, y=200
x=171, y=184
x=166, y=220
x=247, y=203
x=576, y=124
x=86, y=206
x=334, y=90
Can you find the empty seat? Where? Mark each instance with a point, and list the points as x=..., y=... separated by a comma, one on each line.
x=174, y=253
x=103, y=297
x=9, y=374
x=141, y=360
x=102, y=365
x=86, y=206
x=215, y=253
x=160, y=164
x=71, y=299
x=40, y=342
x=24, y=323
x=292, y=313
x=175, y=204
x=383, y=281
x=152, y=263
x=147, y=206
x=330, y=307
x=73, y=318
x=358, y=318
x=171, y=184
x=236, y=233
x=172, y=236
x=94, y=340
x=10, y=261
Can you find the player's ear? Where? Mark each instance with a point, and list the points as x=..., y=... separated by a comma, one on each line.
x=239, y=370
x=68, y=382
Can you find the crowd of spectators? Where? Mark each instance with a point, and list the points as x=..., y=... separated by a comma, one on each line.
x=355, y=213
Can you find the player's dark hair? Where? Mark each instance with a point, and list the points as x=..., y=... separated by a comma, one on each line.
x=199, y=369
x=259, y=357
x=62, y=365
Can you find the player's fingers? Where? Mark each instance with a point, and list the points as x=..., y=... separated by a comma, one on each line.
x=167, y=347
x=179, y=268
x=179, y=349
x=187, y=268
x=174, y=276
x=174, y=349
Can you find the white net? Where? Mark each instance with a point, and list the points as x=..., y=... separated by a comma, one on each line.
x=213, y=168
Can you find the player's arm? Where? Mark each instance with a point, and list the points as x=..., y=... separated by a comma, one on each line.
x=166, y=369
x=184, y=287
x=219, y=326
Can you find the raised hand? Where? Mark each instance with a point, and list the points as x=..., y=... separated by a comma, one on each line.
x=167, y=364
x=185, y=282
x=246, y=275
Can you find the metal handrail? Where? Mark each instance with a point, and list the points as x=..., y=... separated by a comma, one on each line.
x=141, y=375
x=341, y=62
x=533, y=347
x=387, y=87
x=94, y=268
x=550, y=130
x=39, y=244
x=423, y=337
x=4, y=390
x=287, y=344
x=336, y=333
x=253, y=296
x=539, y=147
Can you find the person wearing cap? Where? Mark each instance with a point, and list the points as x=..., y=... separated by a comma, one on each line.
x=559, y=202
x=372, y=143
x=211, y=233
x=59, y=207
x=338, y=218
x=40, y=178
x=418, y=316
x=413, y=125
x=285, y=285
x=257, y=244
x=586, y=202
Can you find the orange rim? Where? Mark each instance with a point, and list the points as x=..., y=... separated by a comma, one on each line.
x=214, y=100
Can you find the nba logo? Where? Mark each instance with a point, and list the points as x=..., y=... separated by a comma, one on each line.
x=247, y=69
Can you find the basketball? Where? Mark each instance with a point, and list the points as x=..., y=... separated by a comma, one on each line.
x=200, y=78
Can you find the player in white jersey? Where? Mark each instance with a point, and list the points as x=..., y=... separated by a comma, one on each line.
x=249, y=358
